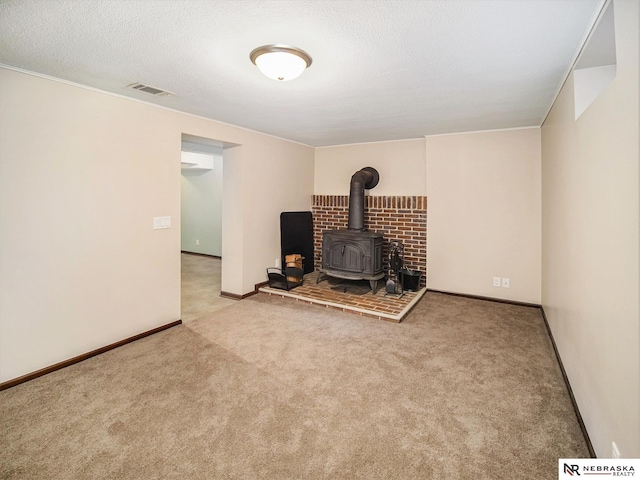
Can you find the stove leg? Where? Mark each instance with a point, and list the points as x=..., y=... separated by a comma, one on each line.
x=374, y=286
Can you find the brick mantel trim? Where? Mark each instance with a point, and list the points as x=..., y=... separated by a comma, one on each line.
x=398, y=218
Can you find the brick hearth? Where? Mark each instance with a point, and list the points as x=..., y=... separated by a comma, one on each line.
x=381, y=306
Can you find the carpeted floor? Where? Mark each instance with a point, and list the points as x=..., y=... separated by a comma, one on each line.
x=273, y=388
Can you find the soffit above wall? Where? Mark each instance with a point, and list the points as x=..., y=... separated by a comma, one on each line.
x=601, y=47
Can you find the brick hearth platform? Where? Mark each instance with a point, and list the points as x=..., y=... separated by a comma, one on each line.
x=380, y=306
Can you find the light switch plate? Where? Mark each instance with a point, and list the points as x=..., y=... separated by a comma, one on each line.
x=161, y=222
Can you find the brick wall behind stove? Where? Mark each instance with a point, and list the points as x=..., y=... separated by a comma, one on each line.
x=402, y=219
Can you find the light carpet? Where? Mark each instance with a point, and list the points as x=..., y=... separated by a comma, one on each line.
x=274, y=388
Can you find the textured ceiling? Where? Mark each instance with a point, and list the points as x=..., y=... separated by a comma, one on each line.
x=382, y=69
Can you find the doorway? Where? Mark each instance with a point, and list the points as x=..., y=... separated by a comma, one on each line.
x=201, y=182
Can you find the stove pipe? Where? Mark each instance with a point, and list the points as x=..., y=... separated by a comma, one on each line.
x=367, y=178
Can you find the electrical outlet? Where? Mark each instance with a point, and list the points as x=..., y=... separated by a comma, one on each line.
x=505, y=282
x=277, y=263
x=197, y=242
x=615, y=453
x=496, y=281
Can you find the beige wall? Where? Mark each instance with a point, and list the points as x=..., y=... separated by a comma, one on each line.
x=590, y=246
x=483, y=218
x=401, y=166
x=82, y=174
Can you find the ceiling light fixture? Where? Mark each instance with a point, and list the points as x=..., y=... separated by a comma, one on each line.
x=280, y=62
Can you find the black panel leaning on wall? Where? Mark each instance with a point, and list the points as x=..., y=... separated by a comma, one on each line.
x=296, y=236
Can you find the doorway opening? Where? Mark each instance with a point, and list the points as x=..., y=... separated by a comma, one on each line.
x=201, y=185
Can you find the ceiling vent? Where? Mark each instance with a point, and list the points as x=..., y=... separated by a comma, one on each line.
x=149, y=89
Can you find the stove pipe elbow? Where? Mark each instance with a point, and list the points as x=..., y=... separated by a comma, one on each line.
x=366, y=178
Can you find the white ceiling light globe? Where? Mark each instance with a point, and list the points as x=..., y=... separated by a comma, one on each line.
x=280, y=62
x=280, y=65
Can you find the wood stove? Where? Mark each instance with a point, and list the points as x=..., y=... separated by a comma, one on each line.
x=354, y=254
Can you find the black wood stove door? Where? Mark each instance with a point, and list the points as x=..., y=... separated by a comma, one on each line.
x=347, y=256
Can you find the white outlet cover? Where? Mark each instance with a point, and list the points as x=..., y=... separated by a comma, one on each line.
x=615, y=453
x=506, y=282
x=496, y=281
